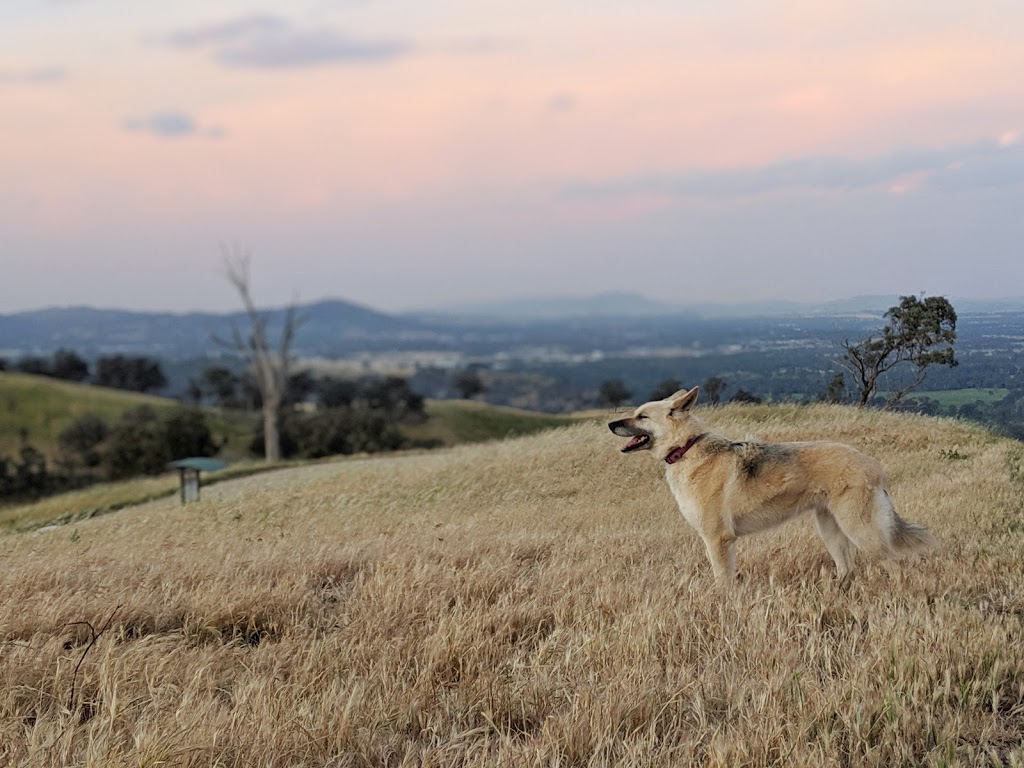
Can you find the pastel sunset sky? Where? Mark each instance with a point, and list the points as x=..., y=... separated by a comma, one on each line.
x=421, y=154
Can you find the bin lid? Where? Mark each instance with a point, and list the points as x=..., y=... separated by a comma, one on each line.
x=198, y=463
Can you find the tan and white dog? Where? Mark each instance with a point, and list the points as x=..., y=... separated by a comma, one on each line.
x=727, y=489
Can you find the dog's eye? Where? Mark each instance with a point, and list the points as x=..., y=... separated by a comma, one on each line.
x=642, y=416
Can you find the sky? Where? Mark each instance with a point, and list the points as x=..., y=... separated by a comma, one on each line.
x=409, y=155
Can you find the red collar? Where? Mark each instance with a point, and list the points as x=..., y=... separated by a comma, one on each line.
x=679, y=451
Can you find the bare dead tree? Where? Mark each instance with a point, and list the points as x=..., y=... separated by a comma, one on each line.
x=268, y=366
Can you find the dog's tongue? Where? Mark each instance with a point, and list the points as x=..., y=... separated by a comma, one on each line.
x=634, y=442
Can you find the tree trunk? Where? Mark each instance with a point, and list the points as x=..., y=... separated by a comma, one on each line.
x=270, y=370
x=271, y=432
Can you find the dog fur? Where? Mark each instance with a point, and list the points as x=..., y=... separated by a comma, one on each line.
x=727, y=489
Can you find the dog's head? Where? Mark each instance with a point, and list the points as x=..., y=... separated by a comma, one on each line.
x=660, y=421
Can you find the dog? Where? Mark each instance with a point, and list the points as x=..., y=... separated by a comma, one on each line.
x=727, y=489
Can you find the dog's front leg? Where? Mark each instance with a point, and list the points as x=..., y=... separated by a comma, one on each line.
x=722, y=554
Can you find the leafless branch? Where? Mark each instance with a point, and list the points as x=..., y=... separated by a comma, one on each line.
x=269, y=367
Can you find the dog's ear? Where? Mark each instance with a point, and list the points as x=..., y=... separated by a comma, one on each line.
x=683, y=401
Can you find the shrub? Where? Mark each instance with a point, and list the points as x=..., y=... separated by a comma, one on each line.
x=144, y=442
x=188, y=434
x=335, y=431
x=81, y=438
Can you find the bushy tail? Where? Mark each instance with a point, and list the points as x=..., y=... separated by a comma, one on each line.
x=908, y=538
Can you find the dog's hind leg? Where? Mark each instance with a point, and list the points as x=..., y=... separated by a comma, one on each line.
x=867, y=518
x=837, y=544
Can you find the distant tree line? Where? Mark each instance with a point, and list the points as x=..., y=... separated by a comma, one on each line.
x=226, y=388
x=328, y=416
x=321, y=415
x=29, y=476
x=132, y=373
x=613, y=392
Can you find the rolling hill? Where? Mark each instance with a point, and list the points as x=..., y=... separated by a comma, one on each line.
x=38, y=408
x=534, y=601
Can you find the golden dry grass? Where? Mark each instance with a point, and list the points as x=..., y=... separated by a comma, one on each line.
x=536, y=602
x=104, y=498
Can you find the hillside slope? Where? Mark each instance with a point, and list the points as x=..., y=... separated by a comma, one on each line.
x=39, y=407
x=535, y=601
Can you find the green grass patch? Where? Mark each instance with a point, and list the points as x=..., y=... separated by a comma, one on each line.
x=36, y=408
x=452, y=422
x=958, y=397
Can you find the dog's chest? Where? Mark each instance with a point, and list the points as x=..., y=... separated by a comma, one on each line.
x=684, y=496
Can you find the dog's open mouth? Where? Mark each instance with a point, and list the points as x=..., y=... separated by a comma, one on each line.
x=638, y=438
x=636, y=443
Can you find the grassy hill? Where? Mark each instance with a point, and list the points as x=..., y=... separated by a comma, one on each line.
x=535, y=601
x=40, y=407
x=452, y=422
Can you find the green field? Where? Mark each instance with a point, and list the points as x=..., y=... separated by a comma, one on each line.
x=37, y=408
x=958, y=397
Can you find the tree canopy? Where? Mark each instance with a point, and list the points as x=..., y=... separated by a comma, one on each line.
x=919, y=334
x=613, y=392
x=137, y=374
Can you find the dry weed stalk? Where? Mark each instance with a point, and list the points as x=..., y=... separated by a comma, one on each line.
x=94, y=636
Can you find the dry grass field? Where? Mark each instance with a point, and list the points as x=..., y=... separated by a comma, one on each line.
x=532, y=602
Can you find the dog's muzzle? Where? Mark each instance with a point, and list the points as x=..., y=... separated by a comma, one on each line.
x=639, y=438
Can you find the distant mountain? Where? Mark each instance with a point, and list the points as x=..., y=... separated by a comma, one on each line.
x=326, y=325
x=335, y=328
